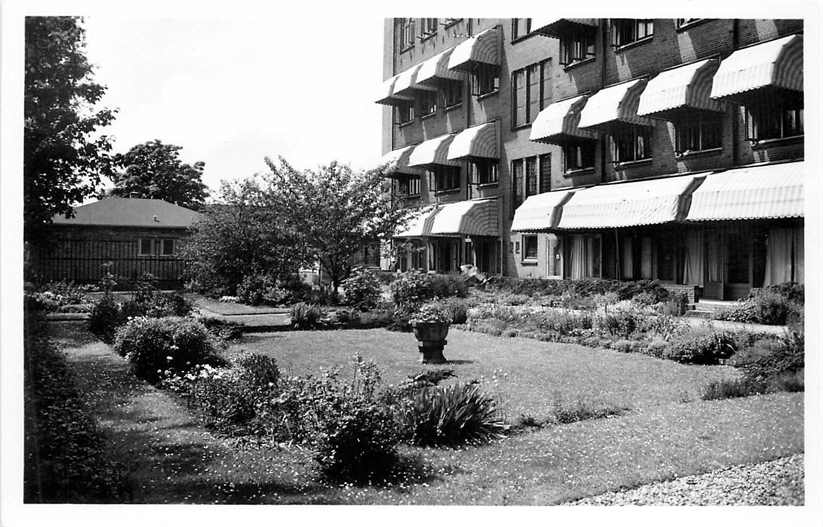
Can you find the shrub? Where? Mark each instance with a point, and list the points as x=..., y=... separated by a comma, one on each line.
x=168, y=305
x=222, y=329
x=582, y=410
x=444, y=286
x=664, y=327
x=699, y=348
x=457, y=308
x=157, y=345
x=251, y=289
x=306, y=316
x=362, y=289
x=105, y=317
x=410, y=288
x=619, y=323
x=775, y=305
x=731, y=388
x=452, y=415
x=787, y=356
x=65, y=452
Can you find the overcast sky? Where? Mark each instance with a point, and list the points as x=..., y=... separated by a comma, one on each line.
x=231, y=91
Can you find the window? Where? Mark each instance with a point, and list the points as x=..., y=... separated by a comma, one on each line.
x=517, y=183
x=545, y=173
x=576, y=47
x=444, y=178
x=631, y=143
x=686, y=21
x=452, y=94
x=531, y=176
x=583, y=256
x=428, y=27
x=405, y=112
x=555, y=256
x=145, y=248
x=774, y=117
x=530, y=247
x=168, y=247
x=700, y=133
x=409, y=186
x=485, y=79
x=628, y=30
x=428, y=103
x=483, y=171
x=529, y=93
x=405, y=33
x=521, y=27
x=578, y=156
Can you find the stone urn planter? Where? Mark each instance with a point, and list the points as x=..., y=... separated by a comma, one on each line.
x=431, y=337
x=431, y=325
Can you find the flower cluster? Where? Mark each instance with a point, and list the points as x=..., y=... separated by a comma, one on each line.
x=431, y=314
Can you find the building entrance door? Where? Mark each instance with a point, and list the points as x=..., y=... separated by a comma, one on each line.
x=713, y=265
x=738, y=245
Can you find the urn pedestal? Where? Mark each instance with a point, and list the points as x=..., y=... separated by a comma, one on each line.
x=431, y=337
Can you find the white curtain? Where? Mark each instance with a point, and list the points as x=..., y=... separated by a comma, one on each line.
x=627, y=262
x=693, y=264
x=799, y=254
x=578, y=258
x=778, y=256
x=646, y=258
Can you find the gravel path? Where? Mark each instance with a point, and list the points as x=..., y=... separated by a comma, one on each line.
x=777, y=482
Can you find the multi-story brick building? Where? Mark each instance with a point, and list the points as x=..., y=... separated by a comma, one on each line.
x=667, y=149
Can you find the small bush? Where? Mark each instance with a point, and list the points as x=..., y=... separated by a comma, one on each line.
x=453, y=415
x=106, y=316
x=582, y=410
x=157, y=345
x=362, y=289
x=787, y=356
x=168, y=305
x=306, y=316
x=698, y=348
x=731, y=388
x=251, y=290
x=619, y=323
x=222, y=329
x=774, y=305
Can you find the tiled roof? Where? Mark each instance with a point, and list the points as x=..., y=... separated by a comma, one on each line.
x=130, y=212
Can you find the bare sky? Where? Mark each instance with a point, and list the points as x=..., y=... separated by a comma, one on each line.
x=231, y=91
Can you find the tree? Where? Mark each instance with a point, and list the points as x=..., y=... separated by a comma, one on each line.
x=154, y=170
x=241, y=235
x=335, y=211
x=63, y=155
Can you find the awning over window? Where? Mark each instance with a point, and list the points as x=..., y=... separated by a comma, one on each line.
x=628, y=204
x=557, y=122
x=770, y=191
x=556, y=27
x=685, y=88
x=407, y=81
x=386, y=95
x=433, y=152
x=613, y=105
x=419, y=224
x=397, y=162
x=774, y=64
x=480, y=49
x=477, y=141
x=466, y=218
x=436, y=69
x=540, y=212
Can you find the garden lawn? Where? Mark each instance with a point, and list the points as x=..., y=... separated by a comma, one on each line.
x=174, y=460
x=529, y=376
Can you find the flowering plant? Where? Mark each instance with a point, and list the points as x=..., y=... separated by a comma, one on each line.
x=430, y=314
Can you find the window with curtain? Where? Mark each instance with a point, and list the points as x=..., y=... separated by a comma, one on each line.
x=405, y=33
x=578, y=156
x=771, y=116
x=517, y=183
x=428, y=27
x=428, y=103
x=530, y=247
x=702, y=131
x=452, y=94
x=545, y=161
x=530, y=91
x=584, y=257
x=627, y=30
x=484, y=171
x=531, y=176
x=577, y=47
x=521, y=27
x=444, y=178
x=485, y=79
x=404, y=112
x=631, y=143
x=555, y=258
x=409, y=186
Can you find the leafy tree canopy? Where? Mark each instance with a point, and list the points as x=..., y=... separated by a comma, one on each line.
x=64, y=155
x=154, y=170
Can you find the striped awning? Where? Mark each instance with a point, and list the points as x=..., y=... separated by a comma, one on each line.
x=777, y=63
x=436, y=69
x=418, y=224
x=615, y=104
x=466, y=218
x=684, y=88
x=433, y=152
x=766, y=191
x=476, y=141
x=557, y=27
x=557, y=122
x=540, y=212
x=482, y=48
x=407, y=82
x=628, y=204
x=397, y=162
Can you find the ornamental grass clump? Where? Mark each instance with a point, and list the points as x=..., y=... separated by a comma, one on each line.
x=306, y=316
x=452, y=415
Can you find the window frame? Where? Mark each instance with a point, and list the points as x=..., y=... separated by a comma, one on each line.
x=526, y=73
x=140, y=243
x=763, y=108
x=587, y=41
x=406, y=186
x=483, y=171
x=619, y=31
x=583, y=147
x=452, y=88
x=428, y=103
x=444, y=174
x=485, y=76
x=163, y=243
x=531, y=247
x=516, y=22
x=636, y=132
x=428, y=28
x=701, y=125
x=410, y=107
